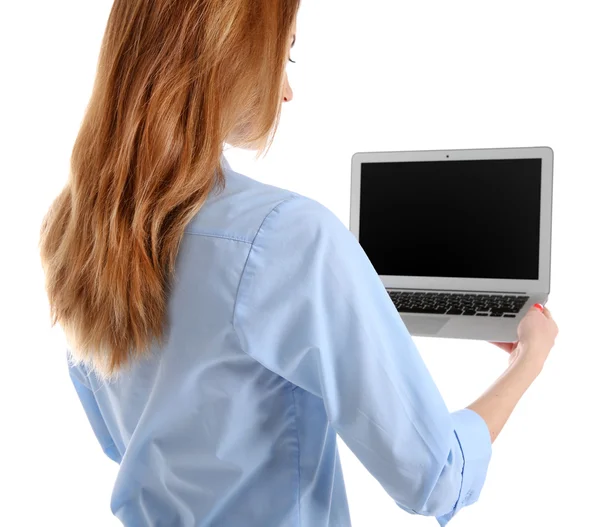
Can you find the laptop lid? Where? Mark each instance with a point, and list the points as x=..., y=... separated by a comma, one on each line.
x=467, y=220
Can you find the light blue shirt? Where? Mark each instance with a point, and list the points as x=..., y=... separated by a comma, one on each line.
x=280, y=336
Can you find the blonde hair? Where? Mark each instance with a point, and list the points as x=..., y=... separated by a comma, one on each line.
x=175, y=79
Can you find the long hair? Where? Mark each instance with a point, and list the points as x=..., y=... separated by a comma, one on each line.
x=175, y=79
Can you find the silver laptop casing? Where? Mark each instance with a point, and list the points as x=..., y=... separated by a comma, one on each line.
x=460, y=326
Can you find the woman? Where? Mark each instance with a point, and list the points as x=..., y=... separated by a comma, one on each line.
x=221, y=331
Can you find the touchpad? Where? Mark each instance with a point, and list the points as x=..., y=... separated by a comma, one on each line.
x=426, y=325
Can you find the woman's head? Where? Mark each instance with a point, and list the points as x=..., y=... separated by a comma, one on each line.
x=248, y=132
x=260, y=83
x=176, y=79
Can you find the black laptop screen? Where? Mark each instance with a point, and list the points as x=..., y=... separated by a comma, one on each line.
x=458, y=219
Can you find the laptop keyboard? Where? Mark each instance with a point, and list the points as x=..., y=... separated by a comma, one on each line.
x=480, y=305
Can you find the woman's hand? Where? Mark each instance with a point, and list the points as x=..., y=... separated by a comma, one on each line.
x=509, y=347
x=537, y=332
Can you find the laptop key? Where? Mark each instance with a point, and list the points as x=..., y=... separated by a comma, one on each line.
x=458, y=304
x=414, y=310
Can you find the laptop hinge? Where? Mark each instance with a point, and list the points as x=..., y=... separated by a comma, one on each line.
x=457, y=290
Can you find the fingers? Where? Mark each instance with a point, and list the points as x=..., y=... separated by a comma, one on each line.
x=542, y=309
x=548, y=314
x=506, y=346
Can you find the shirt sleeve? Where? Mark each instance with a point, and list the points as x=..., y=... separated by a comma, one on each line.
x=92, y=411
x=311, y=308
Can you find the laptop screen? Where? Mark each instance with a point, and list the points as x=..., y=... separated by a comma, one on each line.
x=456, y=219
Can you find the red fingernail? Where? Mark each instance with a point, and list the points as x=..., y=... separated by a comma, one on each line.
x=539, y=306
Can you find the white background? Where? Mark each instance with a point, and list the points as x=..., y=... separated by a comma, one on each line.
x=370, y=75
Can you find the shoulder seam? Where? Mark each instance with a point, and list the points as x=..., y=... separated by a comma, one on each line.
x=222, y=236
x=235, y=303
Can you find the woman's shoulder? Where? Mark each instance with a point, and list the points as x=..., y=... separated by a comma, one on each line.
x=245, y=206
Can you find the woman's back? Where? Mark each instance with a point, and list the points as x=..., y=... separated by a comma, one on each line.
x=206, y=435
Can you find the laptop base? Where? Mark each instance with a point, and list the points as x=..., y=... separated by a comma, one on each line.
x=469, y=327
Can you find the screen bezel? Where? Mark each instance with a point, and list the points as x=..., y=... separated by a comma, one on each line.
x=542, y=284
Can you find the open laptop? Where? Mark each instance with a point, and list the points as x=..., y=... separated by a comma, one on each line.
x=460, y=238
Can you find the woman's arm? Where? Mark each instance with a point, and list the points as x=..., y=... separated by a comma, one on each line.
x=90, y=406
x=498, y=402
x=311, y=308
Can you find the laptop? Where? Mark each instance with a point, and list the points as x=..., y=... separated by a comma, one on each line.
x=459, y=238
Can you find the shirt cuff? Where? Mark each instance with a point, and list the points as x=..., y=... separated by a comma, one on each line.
x=476, y=446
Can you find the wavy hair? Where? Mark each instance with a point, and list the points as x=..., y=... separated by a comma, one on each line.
x=175, y=79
